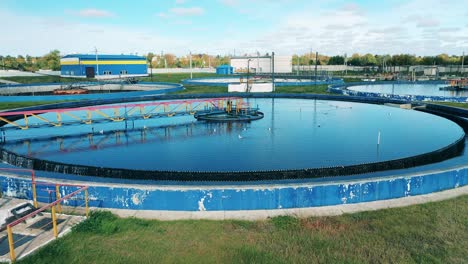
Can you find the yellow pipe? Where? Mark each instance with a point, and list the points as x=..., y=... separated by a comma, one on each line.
x=59, y=119
x=57, y=195
x=25, y=122
x=54, y=222
x=9, y=122
x=132, y=110
x=45, y=120
x=102, y=114
x=72, y=116
x=34, y=195
x=88, y=116
x=10, y=244
x=86, y=203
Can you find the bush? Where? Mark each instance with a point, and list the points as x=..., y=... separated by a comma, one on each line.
x=99, y=222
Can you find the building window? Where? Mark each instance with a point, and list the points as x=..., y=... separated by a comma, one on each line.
x=123, y=72
x=107, y=72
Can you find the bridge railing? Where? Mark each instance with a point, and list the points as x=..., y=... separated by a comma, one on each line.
x=28, y=226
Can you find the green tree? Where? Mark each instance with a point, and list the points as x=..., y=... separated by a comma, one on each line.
x=336, y=60
x=50, y=61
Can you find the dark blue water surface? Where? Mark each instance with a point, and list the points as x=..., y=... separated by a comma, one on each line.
x=408, y=89
x=294, y=134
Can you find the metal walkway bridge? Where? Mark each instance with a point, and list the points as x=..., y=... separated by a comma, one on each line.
x=118, y=112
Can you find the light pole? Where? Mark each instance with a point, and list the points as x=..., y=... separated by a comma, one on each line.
x=273, y=70
x=463, y=62
x=248, y=74
x=258, y=62
x=97, y=63
x=316, y=61
x=191, y=75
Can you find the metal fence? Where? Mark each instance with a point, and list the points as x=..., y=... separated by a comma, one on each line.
x=30, y=226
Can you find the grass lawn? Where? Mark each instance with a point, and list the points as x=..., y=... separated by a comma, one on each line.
x=43, y=79
x=177, y=77
x=461, y=105
x=195, y=89
x=316, y=89
x=428, y=233
x=10, y=105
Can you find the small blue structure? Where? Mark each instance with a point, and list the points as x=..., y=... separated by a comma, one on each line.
x=103, y=66
x=224, y=69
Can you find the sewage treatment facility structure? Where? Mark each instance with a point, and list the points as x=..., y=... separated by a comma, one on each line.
x=149, y=154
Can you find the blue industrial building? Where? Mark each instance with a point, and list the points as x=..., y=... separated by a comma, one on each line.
x=103, y=66
x=224, y=69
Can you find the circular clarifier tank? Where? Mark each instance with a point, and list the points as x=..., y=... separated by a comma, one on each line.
x=294, y=134
x=409, y=89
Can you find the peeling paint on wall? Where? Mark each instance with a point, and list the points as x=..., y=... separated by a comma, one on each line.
x=217, y=198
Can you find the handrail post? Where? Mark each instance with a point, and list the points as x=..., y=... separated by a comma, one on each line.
x=34, y=192
x=54, y=222
x=10, y=244
x=57, y=195
x=86, y=203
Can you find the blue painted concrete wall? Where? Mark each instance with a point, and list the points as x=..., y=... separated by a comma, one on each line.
x=255, y=197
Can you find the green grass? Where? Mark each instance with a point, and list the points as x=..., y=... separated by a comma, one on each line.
x=461, y=105
x=316, y=89
x=177, y=77
x=194, y=89
x=428, y=233
x=13, y=105
x=44, y=79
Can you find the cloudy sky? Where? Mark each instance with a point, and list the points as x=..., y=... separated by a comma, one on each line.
x=421, y=27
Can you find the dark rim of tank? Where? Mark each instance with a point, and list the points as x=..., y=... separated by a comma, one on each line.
x=438, y=155
x=222, y=117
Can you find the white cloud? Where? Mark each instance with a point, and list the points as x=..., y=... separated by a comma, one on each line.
x=427, y=22
x=229, y=2
x=69, y=37
x=187, y=11
x=350, y=29
x=91, y=12
x=162, y=15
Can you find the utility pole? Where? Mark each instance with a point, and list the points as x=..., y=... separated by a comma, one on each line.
x=248, y=74
x=97, y=63
x=191, y=74
x=297, y=65
x=310, y=64
x=258, y=62
x=316, y=61
x=161, y=59
x=463, y=61
x=346, y=63
x=273, y=70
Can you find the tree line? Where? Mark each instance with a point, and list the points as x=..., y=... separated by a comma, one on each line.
x=378, y=60
x=51, y=60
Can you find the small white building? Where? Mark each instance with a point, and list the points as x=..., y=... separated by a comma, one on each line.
x=261, y=64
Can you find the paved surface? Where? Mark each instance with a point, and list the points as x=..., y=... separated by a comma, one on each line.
x=298, y=212
x=34, y=232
